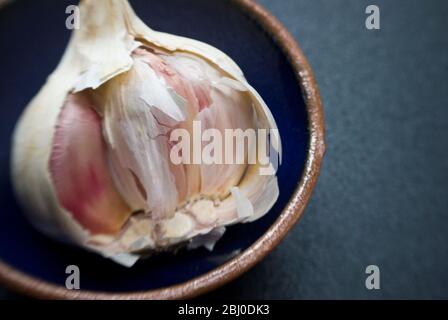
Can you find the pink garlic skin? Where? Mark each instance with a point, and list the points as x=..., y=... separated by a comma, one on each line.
x=79, y=169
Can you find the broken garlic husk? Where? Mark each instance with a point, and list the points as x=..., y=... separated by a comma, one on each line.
x=92, y=152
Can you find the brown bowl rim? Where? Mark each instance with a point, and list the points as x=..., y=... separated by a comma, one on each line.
x=30, y=286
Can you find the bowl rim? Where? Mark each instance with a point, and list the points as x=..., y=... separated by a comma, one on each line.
x=20, y=282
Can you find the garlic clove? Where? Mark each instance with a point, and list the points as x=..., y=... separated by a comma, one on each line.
x=137, y=139
x=79, y=169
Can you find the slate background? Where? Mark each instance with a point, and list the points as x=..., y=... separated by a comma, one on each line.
x=382, y=197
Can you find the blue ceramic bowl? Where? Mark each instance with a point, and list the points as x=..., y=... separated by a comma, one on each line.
x=33, y=37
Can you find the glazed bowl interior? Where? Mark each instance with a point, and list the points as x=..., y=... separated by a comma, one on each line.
x=33, y=37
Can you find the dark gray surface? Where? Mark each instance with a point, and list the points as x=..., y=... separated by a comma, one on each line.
x=382, y=197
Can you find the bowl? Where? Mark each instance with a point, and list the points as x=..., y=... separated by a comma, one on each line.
x=35, y=38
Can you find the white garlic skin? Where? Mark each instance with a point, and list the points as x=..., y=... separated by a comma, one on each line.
x=97, y=53
x=32, y=143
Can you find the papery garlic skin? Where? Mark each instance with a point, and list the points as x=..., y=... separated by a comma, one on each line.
x=92, y=148
x=79, y=168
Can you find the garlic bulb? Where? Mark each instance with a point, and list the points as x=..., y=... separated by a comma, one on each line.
x=93, y=152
